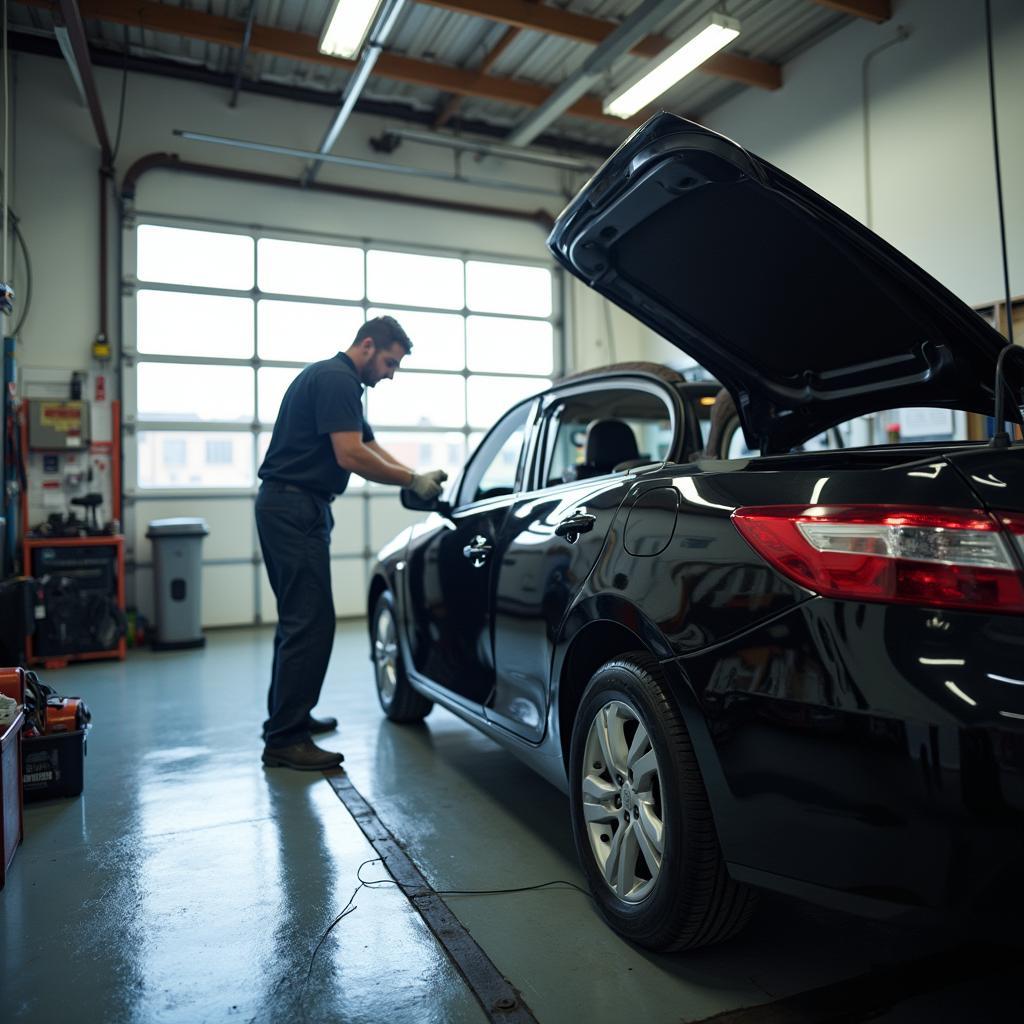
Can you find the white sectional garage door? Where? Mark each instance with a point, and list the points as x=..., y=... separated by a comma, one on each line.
x=219, y=318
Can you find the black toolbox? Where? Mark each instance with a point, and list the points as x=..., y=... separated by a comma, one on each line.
x=53, y=765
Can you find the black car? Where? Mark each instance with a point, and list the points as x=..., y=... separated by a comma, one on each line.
x=800, y=671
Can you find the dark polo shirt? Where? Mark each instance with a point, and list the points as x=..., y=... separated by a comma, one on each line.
x=325, y=398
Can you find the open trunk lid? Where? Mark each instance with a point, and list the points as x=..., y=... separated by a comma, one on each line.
x=805, y=315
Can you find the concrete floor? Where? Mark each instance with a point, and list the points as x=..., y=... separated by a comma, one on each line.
x=190, y=884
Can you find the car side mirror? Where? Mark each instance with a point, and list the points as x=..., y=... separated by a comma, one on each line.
x=412, y=501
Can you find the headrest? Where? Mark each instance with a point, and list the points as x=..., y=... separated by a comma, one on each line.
x=609, y=442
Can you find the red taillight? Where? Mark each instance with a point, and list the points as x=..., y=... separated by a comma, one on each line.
x=944, y=558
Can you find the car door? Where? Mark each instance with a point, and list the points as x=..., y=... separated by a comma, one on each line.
x=554, y=533
x=450, y=567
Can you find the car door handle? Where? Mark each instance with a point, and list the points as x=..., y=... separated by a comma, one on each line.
x=572, y=526
x=478, y=550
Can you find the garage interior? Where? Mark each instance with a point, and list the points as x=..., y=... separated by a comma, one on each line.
x=198, y=203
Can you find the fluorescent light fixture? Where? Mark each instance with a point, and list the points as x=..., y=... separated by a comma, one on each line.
x=347, y=26
x=704, y=40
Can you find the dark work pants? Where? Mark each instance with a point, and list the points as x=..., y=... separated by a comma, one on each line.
x=295, y=532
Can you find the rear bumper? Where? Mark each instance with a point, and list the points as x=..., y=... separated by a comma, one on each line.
x=870, y=756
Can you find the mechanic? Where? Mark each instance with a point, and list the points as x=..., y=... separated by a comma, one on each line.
x=320, y=438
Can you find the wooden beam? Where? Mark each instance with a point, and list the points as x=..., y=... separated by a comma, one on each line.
x=582, y=28
x=276, y=42
x=874, y=10
x=452, y=103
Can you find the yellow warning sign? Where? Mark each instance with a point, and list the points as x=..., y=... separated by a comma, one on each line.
x=65, y=417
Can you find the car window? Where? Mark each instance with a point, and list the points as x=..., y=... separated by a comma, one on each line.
x=491, y=471
x=604, y=431
x=898, y=426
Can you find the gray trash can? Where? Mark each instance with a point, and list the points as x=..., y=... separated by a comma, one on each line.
x=177, y=579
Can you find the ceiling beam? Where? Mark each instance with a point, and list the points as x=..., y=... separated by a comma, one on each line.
x=582, y=28
x=277, y=42
x=452, y=103
x=874, y=10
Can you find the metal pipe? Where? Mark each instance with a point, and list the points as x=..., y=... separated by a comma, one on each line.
x=171, y=162
x=366, y=165
x=566, y=163
x=105, y=179
x=250, y=18
x=374, y=47
x=80, y=50
x=60, y=33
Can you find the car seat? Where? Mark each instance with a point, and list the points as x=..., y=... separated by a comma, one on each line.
x=611, y=446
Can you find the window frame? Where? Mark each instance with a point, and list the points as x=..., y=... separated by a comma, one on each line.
x=483, y=449
x=539, y=454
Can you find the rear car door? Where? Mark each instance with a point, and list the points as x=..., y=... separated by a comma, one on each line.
x=450, y=568
x=590, y=442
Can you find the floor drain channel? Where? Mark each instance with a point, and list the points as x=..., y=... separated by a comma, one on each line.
x=500, y=1001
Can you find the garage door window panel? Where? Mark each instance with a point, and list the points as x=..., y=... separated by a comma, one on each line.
x=186, y=460
x=186, y=324
x=408, y=279
x=500, y=345
x=310, y=268
x=197, y=259
x=201, y=393
x=304, y=332
x=419, y=400
x=508, y=288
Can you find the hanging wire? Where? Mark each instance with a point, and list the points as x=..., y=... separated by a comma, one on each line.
x=7, y=121
x=999, y=174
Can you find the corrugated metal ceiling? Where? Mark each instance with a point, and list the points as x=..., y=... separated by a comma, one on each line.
x=773, y=30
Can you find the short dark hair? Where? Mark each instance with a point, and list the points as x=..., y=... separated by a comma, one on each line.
x=385, y=332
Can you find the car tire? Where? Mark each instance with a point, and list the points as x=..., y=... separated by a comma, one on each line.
x=399, y=701
x=680, y=897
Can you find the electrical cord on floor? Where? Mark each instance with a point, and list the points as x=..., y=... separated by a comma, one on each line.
x=375, y=883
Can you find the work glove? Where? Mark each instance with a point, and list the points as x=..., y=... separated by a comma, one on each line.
x=428, y=485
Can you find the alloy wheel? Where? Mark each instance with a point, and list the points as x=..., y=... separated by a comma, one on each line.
x=385, y=655
x=621, y=786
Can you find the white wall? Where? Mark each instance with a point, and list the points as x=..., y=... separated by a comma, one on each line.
x=55, y=190
x=932, y=166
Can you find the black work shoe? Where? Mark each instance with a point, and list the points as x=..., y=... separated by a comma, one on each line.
x=304, y=757
x=315, y=725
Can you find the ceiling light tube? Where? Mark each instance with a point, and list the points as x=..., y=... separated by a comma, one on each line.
x=704, y=40
x=347, y=26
